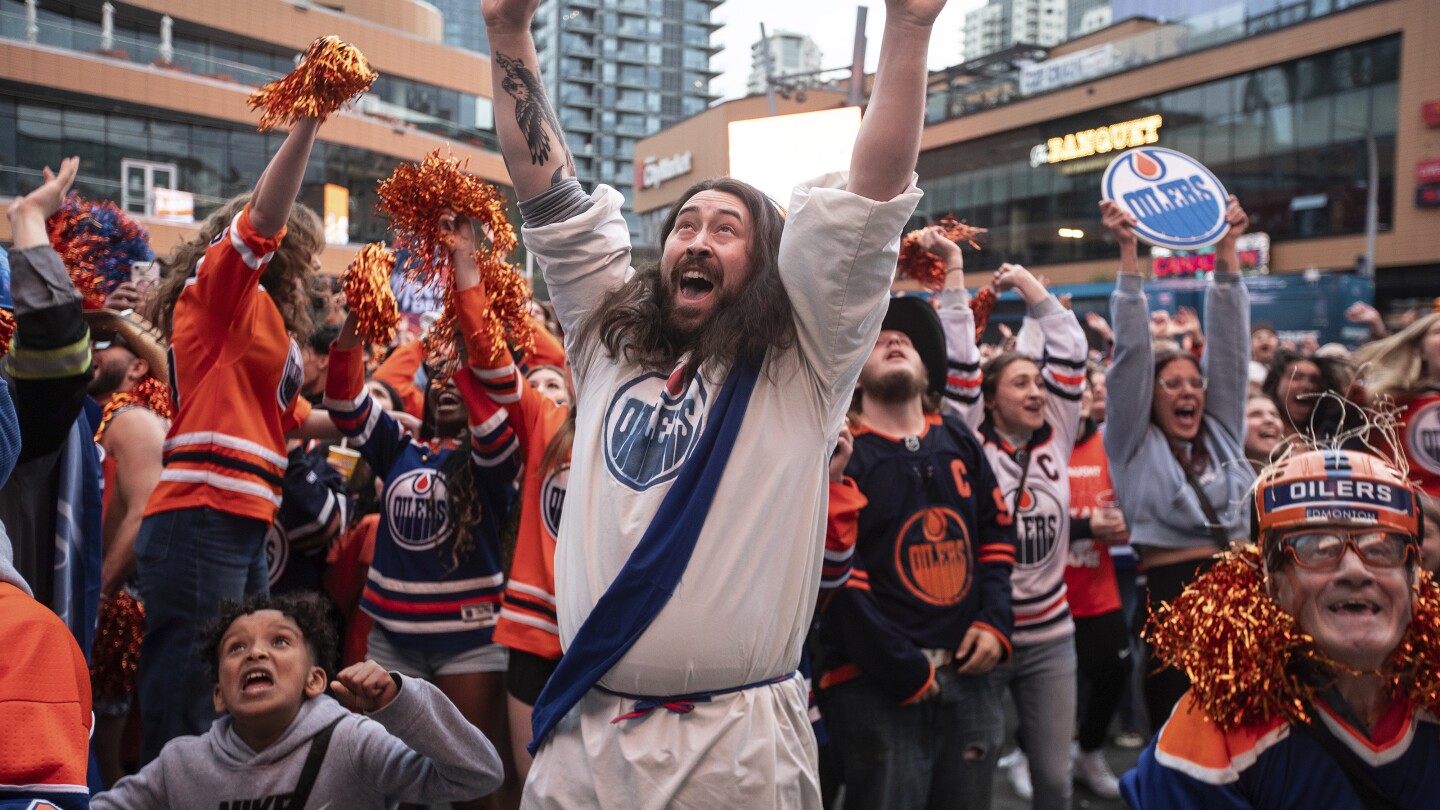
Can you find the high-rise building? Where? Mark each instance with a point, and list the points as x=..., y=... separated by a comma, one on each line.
x=1002, y=23
x=619, y=70
x=151, y=95
x=1084, y=16
x=790, y=53
x=463, y=27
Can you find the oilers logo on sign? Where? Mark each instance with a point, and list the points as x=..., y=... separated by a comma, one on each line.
x=651, y=427
x=1177, y=202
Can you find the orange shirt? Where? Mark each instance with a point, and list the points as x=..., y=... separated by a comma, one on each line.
x=45, y=710
x=1089, y=573
x=527, y=619
x=235, y=374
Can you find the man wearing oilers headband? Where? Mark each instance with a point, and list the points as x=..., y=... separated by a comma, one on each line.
x=1313, y=654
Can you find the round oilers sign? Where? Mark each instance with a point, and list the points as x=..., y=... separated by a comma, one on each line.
x=1177, y=202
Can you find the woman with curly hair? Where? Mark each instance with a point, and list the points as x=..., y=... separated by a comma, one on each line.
x=1301, y=386
x=232, y=308
x=1405, y=369
x=435, y=582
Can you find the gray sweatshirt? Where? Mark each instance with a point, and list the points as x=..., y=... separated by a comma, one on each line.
x=417, y=749
x=1160, y=508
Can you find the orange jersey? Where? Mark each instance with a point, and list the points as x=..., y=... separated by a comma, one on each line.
x=235, y=374
x=399, y=372
x=1090, y=574
x=46, y=706
x=527, y=619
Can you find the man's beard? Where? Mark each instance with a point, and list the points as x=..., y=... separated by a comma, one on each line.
x=108, y=379
x=896, y=387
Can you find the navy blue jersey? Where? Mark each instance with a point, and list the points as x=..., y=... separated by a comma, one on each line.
x=934, y=550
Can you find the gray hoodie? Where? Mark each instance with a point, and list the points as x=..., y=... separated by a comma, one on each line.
x=417, y=749
x=1160, y=507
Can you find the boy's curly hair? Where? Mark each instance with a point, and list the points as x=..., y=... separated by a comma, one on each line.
x=307, y=609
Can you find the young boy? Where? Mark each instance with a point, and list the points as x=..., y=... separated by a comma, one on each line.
x=280, y=740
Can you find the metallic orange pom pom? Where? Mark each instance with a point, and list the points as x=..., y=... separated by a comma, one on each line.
x=925, y=267
x=368, y=293
x=1242, y=652
x=7, y=330
x=330, y=75
x=416, y=200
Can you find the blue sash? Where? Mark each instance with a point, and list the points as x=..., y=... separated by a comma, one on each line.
x=654, y=568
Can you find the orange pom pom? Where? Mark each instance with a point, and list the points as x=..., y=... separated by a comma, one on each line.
x=925, y=267
x=415, y=200
x=7, y=330
x=329, y=76
x=1242, y=653
x=368, y=293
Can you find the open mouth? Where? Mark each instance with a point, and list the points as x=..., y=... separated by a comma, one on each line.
x=1269, y=433
x=1355, y=607
x=1187, y=415
x=896, y=355
x=448, y=399
x=695, y=286
x=256, y=681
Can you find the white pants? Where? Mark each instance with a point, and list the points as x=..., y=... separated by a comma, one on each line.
x=753, y=749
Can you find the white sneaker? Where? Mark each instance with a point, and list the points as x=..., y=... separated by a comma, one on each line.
x=1092, y=771
x=1017, y=772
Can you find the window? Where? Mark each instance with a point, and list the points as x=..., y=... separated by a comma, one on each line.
x=138, y=181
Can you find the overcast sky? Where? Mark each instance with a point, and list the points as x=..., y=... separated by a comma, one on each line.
x=831, y=23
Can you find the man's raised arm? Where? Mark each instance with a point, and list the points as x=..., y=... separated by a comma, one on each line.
x=889, y=138
x=535, y=150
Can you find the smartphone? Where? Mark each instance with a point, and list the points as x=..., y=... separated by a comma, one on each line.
x=144, y=275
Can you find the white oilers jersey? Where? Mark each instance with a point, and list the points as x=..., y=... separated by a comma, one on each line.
x=1041, y=507
x=740, y=612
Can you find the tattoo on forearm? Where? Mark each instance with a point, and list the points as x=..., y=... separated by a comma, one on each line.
x=533, y=113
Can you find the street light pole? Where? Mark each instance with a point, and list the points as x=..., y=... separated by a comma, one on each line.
x=1372, y=204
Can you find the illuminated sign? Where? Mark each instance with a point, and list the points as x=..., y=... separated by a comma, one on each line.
x=1098, y=141
x=654, y=172
x=337, y=215
x=1253, y=250
x=775, y=153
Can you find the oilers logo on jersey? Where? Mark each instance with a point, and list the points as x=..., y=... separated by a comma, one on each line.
x=932, y=556
x=277, y=552
x=651, y=427
x=1422, y=434
x=552, y=498
x=1037, y=526
x=293, y=378
x=418, y=509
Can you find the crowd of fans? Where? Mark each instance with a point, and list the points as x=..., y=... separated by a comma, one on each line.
x=1004, y=518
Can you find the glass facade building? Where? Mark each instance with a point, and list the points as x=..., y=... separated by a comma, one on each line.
x=618, y=70
x=1288, y=139
x=214, y=160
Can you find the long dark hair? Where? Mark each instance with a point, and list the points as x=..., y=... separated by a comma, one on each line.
x=631, y=321
x=1327, y=418
x=304, y=237
x=462, y=496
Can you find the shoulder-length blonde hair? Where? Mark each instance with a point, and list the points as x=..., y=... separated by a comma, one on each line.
x=285, y=278
x=1395, y=365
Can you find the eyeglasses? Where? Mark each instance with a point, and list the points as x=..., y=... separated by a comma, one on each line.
x=1173, y=384
x=1319, y=549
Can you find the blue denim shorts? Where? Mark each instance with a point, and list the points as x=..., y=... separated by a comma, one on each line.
x=429, y=665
